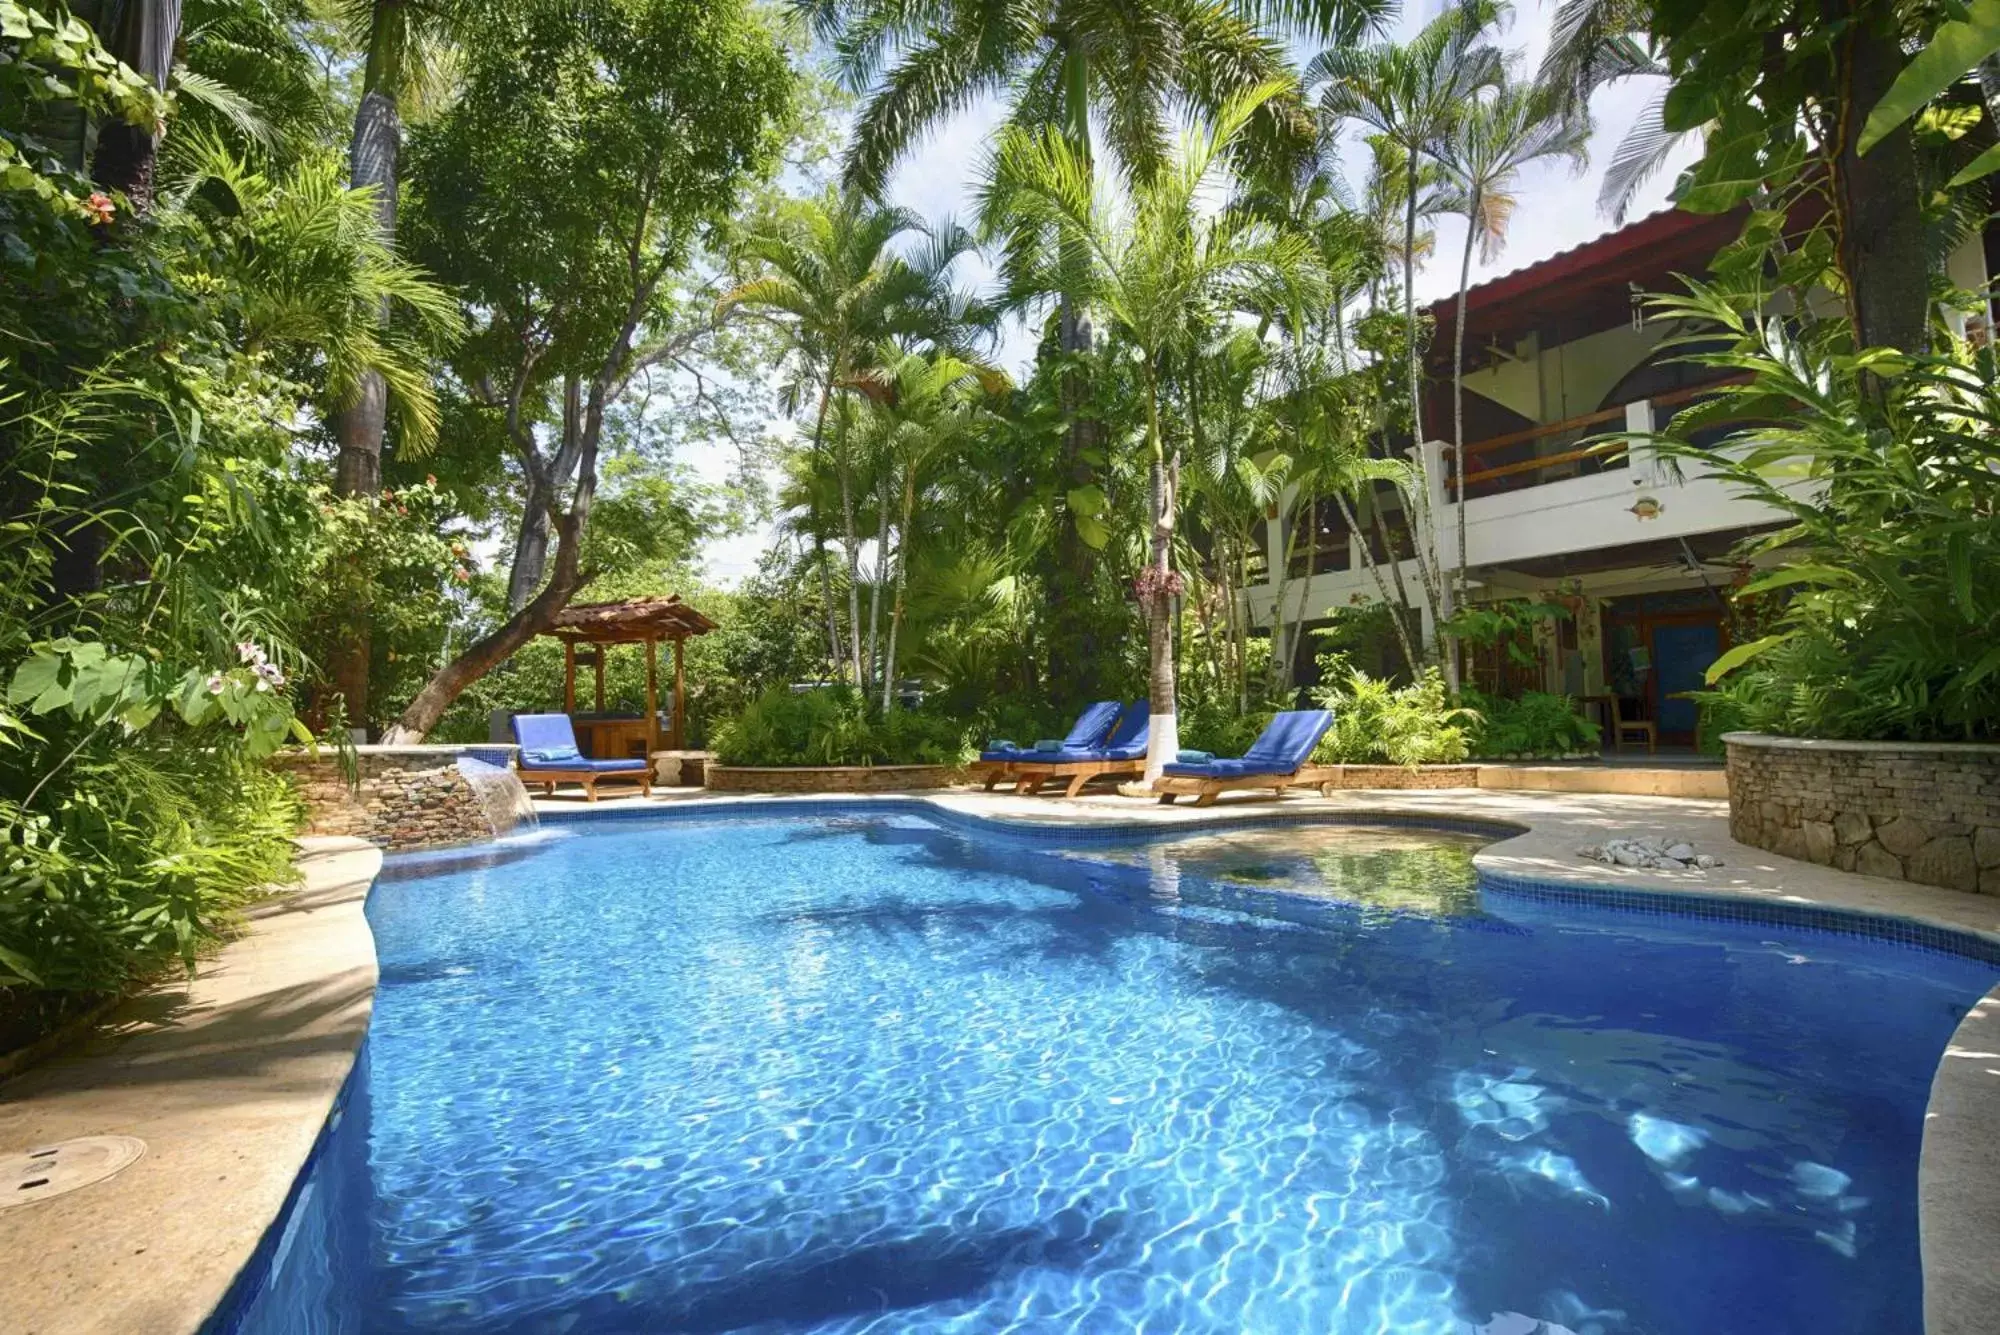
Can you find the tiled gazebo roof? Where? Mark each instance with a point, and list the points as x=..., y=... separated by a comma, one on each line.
x=632, y=621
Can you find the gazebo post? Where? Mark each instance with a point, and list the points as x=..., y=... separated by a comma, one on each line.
x=569, y=676
x=652, y=697
x=599, y=657
x=680, y=694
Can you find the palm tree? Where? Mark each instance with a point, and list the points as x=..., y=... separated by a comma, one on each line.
x=1127, y=67
x=927, y=402
x=1483, y=156
x=831, y=275
x=405, y=45
x=1159, y=266
x=1411, y=95
x=313, y=272
x=1596, y=43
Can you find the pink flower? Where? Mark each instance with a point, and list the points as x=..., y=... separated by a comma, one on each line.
x=215, y=683
x=248, y=651
x=100, y=208
x=462, y=575
x=430, y=479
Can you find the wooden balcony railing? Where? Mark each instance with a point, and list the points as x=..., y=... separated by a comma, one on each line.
x=1524, y=458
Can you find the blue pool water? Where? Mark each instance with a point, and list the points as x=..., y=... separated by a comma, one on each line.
x=863, y=1073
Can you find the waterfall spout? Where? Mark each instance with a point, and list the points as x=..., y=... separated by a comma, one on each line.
x=508, y=810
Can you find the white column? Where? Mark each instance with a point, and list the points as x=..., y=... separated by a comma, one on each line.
x=1644, y=460
x=1274, y=534
x=1443, y=536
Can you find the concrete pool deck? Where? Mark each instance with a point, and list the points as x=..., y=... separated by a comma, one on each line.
x=229, y=1078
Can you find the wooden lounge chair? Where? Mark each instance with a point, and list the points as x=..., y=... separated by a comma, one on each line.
x=1122, y=755
x=549, y=756
x=1276, y=761
x=1000, y=761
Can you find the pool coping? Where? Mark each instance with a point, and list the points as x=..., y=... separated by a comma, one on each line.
x=229, y=1077
x=108, y=1263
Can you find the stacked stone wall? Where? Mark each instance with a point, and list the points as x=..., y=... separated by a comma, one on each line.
x=407, y=797
x=1928, y=813
x=826, y=779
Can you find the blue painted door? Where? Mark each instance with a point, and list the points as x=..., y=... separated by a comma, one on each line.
x=1681, y=655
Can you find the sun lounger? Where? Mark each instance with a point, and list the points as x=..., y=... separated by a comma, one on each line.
x=549, y=757
x=1123, y=753
x=999, y=760
x=1276, y=761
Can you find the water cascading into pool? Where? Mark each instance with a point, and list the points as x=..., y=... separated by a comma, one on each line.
x=508, y=810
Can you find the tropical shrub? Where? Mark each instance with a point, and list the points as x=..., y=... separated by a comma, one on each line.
x=1538, y=724
x=1884, y=464
x=1375, y=722
x=1220, y=732
x=832, y=725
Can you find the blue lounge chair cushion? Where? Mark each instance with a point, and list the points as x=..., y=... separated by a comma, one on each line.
x=548, y=742
x=1090, y=726
x=1126, y=742
x=545, y=739
x=1286, y=744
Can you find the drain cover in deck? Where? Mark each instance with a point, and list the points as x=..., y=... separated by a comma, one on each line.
x=52, y=1170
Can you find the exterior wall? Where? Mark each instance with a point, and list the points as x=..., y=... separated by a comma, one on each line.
x=827, y=779
x=407, y=797
x=1928, y=813
x=1568, y=380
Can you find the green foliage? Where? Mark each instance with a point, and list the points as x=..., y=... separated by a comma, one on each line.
x=1221, y=732
x=136, y=861
x=832, y=725
x=1376, y=723
x=1883, y=465
x=391, y=558
x=1538, y=725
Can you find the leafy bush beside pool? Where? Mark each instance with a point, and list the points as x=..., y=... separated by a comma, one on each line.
x=833, y=725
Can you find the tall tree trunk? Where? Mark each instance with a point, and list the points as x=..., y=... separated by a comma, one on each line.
x=834, y=651
x=1417, y=508
x=881, y=572
x=850, y=538
x=1460, y=593
x=835, y=654
x=1076, y=649
x=487, y=652
x=1878, y=214
x=1163, y=727
x=142, y=34
x=902, y=581
x=1374, y=570
x=358, y=426
x=544, y=484
x=1291, y=676
x=372, y=163
x=531, y=546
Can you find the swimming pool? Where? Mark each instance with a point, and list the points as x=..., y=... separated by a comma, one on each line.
x=866, y=1072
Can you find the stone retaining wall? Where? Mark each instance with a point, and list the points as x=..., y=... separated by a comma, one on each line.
x=1395, y=776
x=827, y=778
x=408, y=796
x=1909, y=811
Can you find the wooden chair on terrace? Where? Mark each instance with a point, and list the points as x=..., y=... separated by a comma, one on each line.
x=1641, y=727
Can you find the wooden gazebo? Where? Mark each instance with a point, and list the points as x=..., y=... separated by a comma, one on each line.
x=644, y=621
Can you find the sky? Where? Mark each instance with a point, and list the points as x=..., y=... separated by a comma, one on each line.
x=1557, y=209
